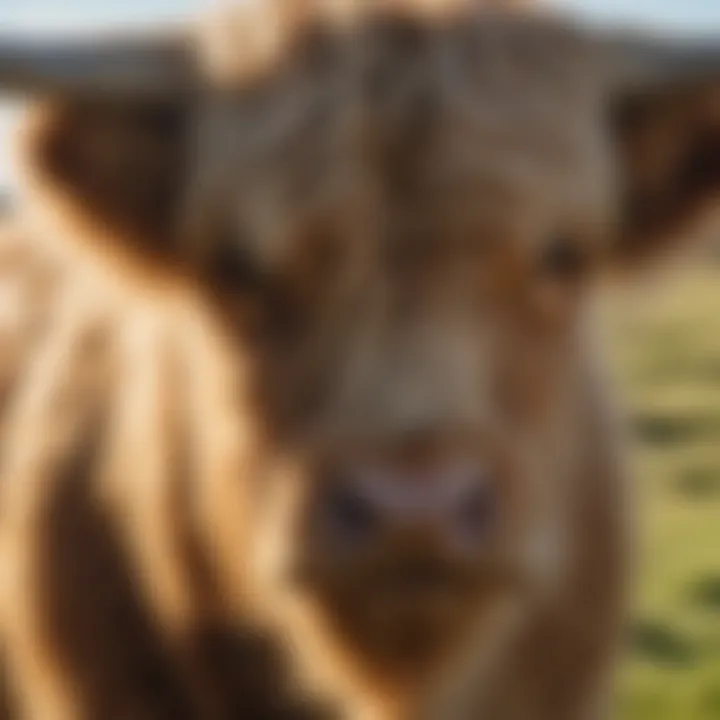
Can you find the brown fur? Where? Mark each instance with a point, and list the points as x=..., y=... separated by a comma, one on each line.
x=348, y=253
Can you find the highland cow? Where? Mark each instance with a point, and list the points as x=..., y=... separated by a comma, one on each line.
x=303, y=414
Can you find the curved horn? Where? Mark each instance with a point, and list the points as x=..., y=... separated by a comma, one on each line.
x=139, y=65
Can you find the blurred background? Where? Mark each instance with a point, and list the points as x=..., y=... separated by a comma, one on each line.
x=666, y=342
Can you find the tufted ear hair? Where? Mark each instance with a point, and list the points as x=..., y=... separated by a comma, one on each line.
x=118, y=165
x=666, y=118
x=109, y=137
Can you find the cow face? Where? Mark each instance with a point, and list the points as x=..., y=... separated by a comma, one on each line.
x=421, y=267
x=400, y=225
x=409, y=258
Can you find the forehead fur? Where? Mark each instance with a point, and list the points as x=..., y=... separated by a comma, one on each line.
x=451, y=122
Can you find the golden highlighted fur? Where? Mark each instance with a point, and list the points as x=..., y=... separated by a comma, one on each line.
x=382, y=243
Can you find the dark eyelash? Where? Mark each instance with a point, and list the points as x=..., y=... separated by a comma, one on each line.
x=230, y=269
x=563, y=258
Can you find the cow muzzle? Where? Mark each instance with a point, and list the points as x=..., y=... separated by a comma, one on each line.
x=397, y=552
x=451, y=509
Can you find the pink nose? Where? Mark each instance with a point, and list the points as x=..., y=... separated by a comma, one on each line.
x=455, y=503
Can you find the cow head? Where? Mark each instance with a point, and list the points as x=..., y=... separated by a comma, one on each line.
x=400, y=218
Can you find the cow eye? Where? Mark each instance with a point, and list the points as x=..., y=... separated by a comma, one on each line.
x=231, y=270
x=564, y=259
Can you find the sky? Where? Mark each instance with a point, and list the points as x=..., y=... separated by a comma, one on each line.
x=57, y=15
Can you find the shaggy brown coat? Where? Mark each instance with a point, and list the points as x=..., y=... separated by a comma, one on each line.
x=198, y=300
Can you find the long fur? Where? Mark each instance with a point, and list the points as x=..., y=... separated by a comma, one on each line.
x=196, y=292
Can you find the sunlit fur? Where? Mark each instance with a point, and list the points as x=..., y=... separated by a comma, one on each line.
x=342, y=259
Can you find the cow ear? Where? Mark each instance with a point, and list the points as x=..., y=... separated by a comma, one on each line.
x=668, y=140
x=117, y=166
x=109, y=137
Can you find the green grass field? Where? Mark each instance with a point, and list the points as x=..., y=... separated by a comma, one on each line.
x=667, y=351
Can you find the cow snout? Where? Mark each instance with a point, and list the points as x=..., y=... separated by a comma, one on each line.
x=453, y=505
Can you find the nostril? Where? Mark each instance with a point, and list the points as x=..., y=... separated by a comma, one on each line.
x=348, y=514
x=476, y=510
